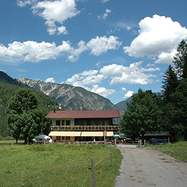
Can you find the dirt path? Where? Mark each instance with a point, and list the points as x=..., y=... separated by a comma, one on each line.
x=146, y=168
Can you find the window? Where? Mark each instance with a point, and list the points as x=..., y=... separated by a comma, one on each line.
x=57, y=122
x=93, y=122
x=63, y=122
x=63, y=138
x=68, y=138
x=107, y=122
x=58, y=138
x=78, y=122
x=100, y=122
x=67, y=122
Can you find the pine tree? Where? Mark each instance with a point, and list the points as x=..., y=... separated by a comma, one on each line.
x=175, y=94
x=170, y=84
x=180, y=100
x=180, y=60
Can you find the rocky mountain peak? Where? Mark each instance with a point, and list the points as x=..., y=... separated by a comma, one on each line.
x=72, y=98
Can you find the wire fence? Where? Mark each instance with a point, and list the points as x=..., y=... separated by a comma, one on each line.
x=93, y=168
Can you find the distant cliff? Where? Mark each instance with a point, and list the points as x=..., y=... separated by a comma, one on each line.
x=122, y=105
x=72, y=98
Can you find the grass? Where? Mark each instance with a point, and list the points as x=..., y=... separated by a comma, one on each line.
x=177, y=150
x=57, y=165
x=10, y=142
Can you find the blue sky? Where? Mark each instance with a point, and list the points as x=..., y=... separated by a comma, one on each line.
x=110, y=47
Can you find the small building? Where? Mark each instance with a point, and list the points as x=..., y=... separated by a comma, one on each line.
x=71, y=126
x=165, y=137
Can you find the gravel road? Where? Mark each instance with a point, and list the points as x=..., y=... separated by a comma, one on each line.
x=145, y=168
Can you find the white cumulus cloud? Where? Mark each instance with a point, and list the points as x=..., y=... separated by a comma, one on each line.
x=85, y=78
x=90, y=80
x=23, y=3
x=105, y=15
x=124, y=89
x=75, y=53
x=158, y=37
x=51, y=79
x=54, y=13
x=97, y=46
x=33, y=51
x=128, y=94
x=117, y=74
x=101, y=45
x=62, y=30
x=134, y=74
x=102, y=91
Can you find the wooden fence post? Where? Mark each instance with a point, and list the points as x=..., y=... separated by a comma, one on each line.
x=93, y=172
x=105, y=141
x=111, y=158
x=115, y=147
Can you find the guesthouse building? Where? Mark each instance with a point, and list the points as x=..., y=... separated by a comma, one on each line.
x=71, y=126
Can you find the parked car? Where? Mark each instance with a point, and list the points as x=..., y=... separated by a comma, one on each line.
x=42, y=139
x=156, y=141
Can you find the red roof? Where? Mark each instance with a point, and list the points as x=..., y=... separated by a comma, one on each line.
x=84, y=114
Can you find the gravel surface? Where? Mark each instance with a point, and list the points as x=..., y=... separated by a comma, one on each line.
x=141, y=167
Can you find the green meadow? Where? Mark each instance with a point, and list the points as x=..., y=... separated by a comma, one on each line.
x=58, y=165
x=10, y=142
x=177, y=150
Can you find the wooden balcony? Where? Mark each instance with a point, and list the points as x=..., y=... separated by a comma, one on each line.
x=86, y=128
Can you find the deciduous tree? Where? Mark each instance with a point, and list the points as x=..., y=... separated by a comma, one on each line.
x=142, y=115
x=25, y=119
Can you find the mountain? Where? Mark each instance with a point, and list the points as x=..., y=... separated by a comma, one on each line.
x=123, y=104
x=72, y=98
x=4, y=78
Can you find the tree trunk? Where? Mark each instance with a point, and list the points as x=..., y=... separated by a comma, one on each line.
x=173, y=136
x=142, y=138
x=185, y=135
x=25, y=140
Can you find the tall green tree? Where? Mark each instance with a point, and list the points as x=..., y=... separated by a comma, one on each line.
x=174, y=95
x=43, y=124
x=180, y=100
x=170, y=84
x=25, y=119
x=170, y=121
x=180, y=60
x=142, y=114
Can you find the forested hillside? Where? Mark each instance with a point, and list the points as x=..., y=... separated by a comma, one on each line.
x=8, y=87
x=4, y=78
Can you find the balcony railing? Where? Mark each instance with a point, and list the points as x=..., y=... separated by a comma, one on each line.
x=86, y=128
